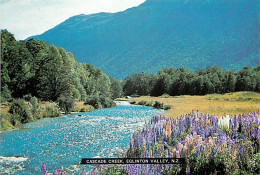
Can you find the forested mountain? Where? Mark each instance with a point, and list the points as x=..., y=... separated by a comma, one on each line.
x=34, y=68
x=164, y=33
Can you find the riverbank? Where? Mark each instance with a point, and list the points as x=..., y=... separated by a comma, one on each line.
x=218, y=104
x=43, y=109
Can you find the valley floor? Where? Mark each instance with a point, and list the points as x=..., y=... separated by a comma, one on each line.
x=218, y=104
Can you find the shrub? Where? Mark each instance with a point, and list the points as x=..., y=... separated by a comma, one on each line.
x=99, y=101
x=36, y=110
x=6, y=125
x=27, y=97
x=66, y=104
x=52, y=110
x=132, y=102
x=167, y=107
x=165, y=95
x=158, y=105
x=19, y=107
x=150, y=103
x=88, y=108
x=207, y=165
x=142, y=102
x=15, y=120
x=76, y=109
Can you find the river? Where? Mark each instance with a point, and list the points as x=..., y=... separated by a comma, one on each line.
x=62, y=142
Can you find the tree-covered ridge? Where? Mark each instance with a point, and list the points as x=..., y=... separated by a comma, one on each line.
x=36, y=68
x=183, y=82
x=189, y=34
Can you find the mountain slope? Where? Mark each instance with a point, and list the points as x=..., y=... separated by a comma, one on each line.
x=164, y=33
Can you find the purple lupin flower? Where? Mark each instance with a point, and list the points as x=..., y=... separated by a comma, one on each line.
x=94, y=172
x=44, y=171
x=55, y=172
x=241, y=149
x=84, y=171
x=158, y=170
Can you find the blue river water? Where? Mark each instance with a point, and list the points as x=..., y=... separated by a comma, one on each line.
x=62, y=142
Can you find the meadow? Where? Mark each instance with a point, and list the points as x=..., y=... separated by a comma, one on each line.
x=218, y=104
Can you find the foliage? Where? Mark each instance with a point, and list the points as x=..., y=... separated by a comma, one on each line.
x=158, y=105
x=34, y=68
x=36, y=108
x=165, y=95
x=167, y=107
x=116, y=88
x=5, y=124
x=149, y=103
x=66, y=104
x=132, y=102
x=207, y=165
x=164, y=33
x=51, y=110
x=141, y=102
x=19, y=107
x=183, y=82
x=88, y=108
x=140, y=84
x=99, y=101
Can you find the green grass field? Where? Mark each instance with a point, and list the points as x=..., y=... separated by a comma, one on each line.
x=229, y=103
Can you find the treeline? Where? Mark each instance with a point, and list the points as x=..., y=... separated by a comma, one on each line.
x=37, y=69
x=183, y=82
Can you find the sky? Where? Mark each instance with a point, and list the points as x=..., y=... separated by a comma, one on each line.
x=25, y=18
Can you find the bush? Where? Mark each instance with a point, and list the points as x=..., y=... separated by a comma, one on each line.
x=15, y=120
x=27, y=97
x=207, y=165
x=150, y=103
x=51, y=111
x=66, y=104
x=167, y=107
x=36, y=110
x=158, y=105
x=132, y=102
x=99, y=101
x=142, y=102
x=6, y=125
x=76, y=109
x=165, y=95
x=88, y=108
x=20, y=108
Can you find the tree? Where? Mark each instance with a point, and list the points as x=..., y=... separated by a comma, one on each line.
x=66, y=104
x=159, y=88
x=244, y=80
x=230, y=83
x=116, y=88
x=53, y=78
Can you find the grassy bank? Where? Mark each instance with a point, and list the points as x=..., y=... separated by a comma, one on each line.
x=218, y=104
x=33, y=112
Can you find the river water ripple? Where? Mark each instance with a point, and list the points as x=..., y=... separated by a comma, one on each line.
x=62, y=142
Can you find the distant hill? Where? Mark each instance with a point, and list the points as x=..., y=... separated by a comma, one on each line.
x=164, y=33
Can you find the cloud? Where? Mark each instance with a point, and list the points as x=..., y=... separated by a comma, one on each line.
x=25, y=18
